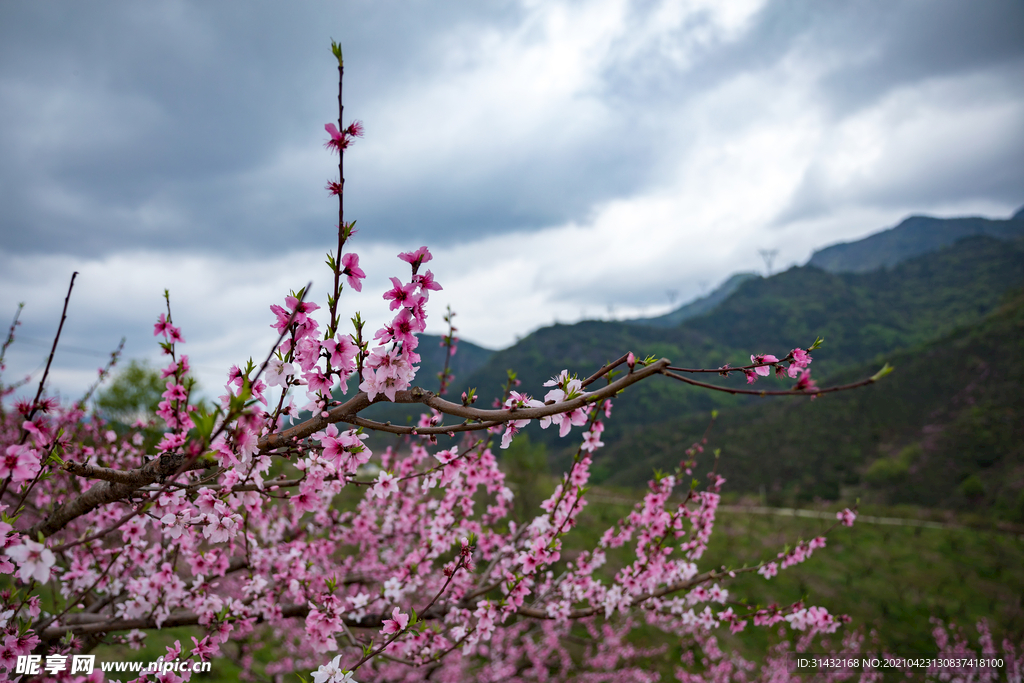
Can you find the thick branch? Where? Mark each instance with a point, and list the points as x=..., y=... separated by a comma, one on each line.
x=118, y=487
x=423, y=431
x=348, y=411
x=129, y=477
x=86, y=624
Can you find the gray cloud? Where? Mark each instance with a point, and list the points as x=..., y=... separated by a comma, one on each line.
x=196, y=126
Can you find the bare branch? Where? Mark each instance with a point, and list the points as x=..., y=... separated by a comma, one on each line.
x=787, y=392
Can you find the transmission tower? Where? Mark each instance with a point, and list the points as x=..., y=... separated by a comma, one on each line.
x=769, y=258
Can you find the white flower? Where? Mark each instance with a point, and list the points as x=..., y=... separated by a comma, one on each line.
x=332, y=673
x=35, y=561
x=393, y=589
x=278, y=372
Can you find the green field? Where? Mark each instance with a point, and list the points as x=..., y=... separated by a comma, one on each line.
x=891, y=580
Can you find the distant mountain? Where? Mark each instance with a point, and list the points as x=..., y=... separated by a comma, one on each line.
x=914, y=236
x=946, y=429
x=860, y=315
x=467, y=359
x=698, y=306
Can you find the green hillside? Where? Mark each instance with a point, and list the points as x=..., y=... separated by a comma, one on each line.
x=945, y=430
x=468, y=359
x=861, y=315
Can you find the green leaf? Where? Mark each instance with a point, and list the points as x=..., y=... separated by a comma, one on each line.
x=886, y=369
x=55, y=458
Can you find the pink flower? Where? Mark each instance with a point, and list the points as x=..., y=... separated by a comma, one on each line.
x=385, y=486
x=798, y=620
x=316, y=382
x=220, y=529
x=386, y=380
x=400, y=294
x=235, y=377
x=204, y=649
x=426, y=282
x=591, y=441
x=161, y=325
x=707, y=619
x=805, y=383
x=338, y=141
x=343, y=352
x=846, y=517
x=416, y=258
x=9, y=653
x=397, y=623
x=801, y=359
x=35, y=561
x=20, y=463
x=512, y=427
x=307, y=353
x=355, y=274
x=404, y=328
x=764, y=369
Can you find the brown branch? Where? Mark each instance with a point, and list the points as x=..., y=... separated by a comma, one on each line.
x=86, y=624
x=419, y=431
x=108, y=492
x=49, y=361
x=348, y=411
x=607, y=368
x=130, y=477
x=754, y=392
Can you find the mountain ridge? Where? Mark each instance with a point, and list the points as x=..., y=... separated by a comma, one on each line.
x=913, y=236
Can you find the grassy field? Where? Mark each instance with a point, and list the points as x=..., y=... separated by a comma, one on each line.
x=890, y=579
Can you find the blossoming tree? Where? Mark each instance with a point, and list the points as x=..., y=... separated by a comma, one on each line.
x=267, y=522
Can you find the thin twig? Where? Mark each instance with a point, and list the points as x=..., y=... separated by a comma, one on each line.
x=49, y=361
x=788, y=392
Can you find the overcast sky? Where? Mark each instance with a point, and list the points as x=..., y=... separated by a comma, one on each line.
x=561, y=159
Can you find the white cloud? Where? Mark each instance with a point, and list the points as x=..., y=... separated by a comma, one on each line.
x=693, y=174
